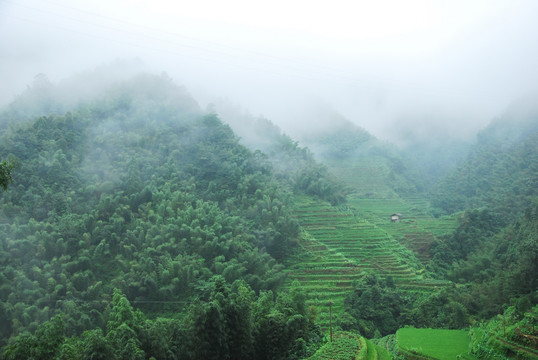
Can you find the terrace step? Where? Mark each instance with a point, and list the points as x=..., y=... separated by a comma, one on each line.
x=339, y=248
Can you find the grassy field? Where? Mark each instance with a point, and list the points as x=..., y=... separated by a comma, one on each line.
x=434, y=343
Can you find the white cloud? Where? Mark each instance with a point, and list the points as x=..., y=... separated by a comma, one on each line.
x=376, y=61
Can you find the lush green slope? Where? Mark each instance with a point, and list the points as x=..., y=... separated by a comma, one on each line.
x=416, y=229
x=290, y=161
x=141, y=192
x=343, y=244
x=483, y=249
x=500, y=172
x=233, y=323
x=512, y=334
x=339, y=248
x=343, y=346
x=381, y=181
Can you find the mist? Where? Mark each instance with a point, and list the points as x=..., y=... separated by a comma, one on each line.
x=402, y=71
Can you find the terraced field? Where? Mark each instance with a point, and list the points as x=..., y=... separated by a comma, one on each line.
x=415, y=230
x=340, y=247
x=372, y=199
x=366, y=175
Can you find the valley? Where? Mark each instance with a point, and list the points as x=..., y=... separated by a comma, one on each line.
x=137, y=226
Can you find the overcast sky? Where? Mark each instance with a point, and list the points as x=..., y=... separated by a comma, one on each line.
x=448, y=66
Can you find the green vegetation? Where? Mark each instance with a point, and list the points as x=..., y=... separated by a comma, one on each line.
x=292, y=163
x=348, y=345
x=141, y=192
x=135, y=226
x=490, y=252
x=512, y=334
x=377, y=308
x=339, y=248
x=417, y=228
x=232, y=324
x=433, y=343
x=6, y=167
x=495, y=265
x=344, y=346
x=500, y=172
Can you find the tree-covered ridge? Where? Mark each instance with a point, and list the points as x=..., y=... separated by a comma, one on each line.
x=495, y=265
x=500, y=172
x=45, y=97
x=297, y=166
x=293, y=164
x=137, y=191
x=362, y=161
x=493, y=253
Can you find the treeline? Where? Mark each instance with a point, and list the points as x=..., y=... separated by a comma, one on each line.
x=494, y=265
x=376, y=308
x=230, y=322
x=293, y=164
x=137, y=191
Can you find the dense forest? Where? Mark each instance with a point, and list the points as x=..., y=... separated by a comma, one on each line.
x=134, y=225
x=141, y=195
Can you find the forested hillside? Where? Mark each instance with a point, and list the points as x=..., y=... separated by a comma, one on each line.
x=290, y=160
x=137, y=196
x=369, y=165
x=134, y=225
x=495, y=248
x=500, y=172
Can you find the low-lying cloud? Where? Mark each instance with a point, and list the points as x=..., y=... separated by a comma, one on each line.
x=397, y=69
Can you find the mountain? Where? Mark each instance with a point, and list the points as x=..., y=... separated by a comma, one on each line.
x=501, y=170
x=291, y=162
x=493, y=251
x=139, y=226
x=365, y=163
x=138, y=197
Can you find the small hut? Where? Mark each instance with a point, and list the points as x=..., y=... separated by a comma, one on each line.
x=395, y=217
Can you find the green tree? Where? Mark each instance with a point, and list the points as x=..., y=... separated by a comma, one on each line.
x=44, y=344
x=6, y=167
x=122, y=328
x=375, y=305
x=96, y=346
